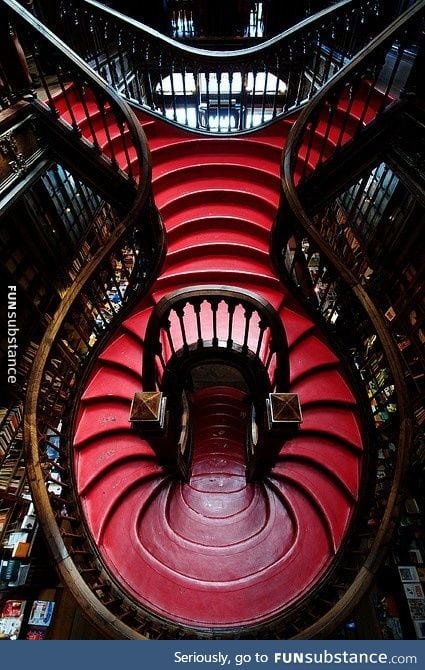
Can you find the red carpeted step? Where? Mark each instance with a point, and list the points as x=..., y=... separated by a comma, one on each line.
x=296, y=325
x=212, y=229
x=325, y=452
x=308, y=354
x=112, y=379
x=125, y=349
x=337, y=422
x=187, y=207
x=101, y=416
x=217, y=256
x=102, y=455
x=324, y=493
x=332, y=389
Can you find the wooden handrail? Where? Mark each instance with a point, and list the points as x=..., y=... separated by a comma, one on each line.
x=69, y=343
x=215, y=91
x=292, y=198
x=277, y=342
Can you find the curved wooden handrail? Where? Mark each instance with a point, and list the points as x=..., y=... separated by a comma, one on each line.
x=202, y=89
x=67, y=346
x=277, y=343
x=305, y=124
x=329, y=93
x=75, y=77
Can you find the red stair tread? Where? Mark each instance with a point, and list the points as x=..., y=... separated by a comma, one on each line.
x=188, y=206
x=106, y=453
x=335, y=421
x=217, y=257
x=308, y=355
x=296, y=325
x=334, y=456
x=103, y=416
x=228, y=151
x=125, y=350
x=334, y=507
x=107, y=494
x=214, y=230
x=332, y=388
x=112, y=380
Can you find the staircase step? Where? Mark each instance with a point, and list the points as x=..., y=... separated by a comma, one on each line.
x=309, y=355
x=337, y=422
x=338, y=458
x=99, y=457
x=217, y=229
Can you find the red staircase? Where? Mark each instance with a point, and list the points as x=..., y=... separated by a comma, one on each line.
x=218, y=552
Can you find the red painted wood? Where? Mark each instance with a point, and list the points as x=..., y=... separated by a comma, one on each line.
x=217, y=551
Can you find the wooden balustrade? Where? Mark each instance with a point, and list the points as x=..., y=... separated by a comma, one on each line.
x=215, y=318
x=221, y=324
x=219, y=91
x=327, y=273
x=356, y=98
x=74, y=96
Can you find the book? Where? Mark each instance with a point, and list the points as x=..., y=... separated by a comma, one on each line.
x=35, y=634
x=41, y=613
x=28, y=521
x=21, y=550
x=408, y=573
x=14, y=538
x=9, y=570
x=13, y=608
x=420, y=629
x=10, y=627
x=11, y=616
x=413, y=590
x=417, y=608
x=21, y=576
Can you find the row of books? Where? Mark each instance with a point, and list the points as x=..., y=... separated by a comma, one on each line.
x=13, y=616
x=26, y=359
x=412, y=578
x=16, y=548
x=12, y=475
x=9, y=427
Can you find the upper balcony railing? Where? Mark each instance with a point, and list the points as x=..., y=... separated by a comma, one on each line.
x=322, y=264
x=192, y=20
x=356, y=97
x=219, y=91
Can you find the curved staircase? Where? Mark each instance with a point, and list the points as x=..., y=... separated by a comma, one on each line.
x=217, y=552
x=137, y=547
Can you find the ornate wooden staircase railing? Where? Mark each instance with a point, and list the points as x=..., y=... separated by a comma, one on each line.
x=329, y=275
x=216, y=324
x=216, y=91
x=114, y=267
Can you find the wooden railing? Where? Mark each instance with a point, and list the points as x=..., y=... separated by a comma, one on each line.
x=328, y=277
x=77, y=100
x=198, y=322
x=118, y=268
x=219, y=91
x=222, y=325
x=356, y=97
